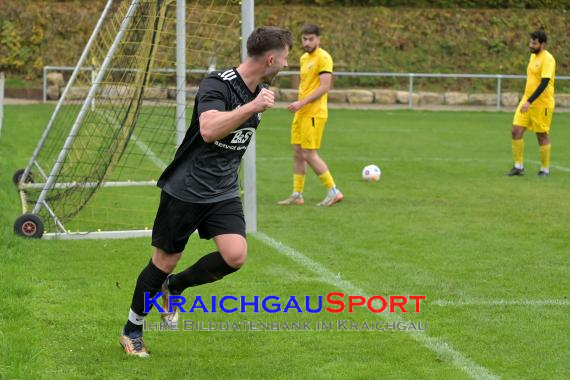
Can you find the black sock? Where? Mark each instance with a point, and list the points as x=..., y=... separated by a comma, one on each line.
x=130, y=328
x=149, y=281
x=209, y=268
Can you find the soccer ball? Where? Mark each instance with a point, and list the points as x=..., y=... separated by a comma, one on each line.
x=371, y=173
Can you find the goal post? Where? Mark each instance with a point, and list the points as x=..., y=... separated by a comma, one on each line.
x=249, y=167
x=180, y=70
x=121, y=116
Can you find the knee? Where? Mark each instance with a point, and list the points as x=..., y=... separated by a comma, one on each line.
x=516, y=132
x=235, y=256
x=542, y=138
x=166, y=262
x=309, y=154
x=298, y=152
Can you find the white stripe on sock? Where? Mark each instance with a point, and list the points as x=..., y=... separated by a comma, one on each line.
x=135, y=318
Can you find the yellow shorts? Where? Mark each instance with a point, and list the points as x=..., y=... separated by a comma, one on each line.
x=307, y=131
x=537, y=119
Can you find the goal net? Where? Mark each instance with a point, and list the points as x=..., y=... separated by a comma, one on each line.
x=115, y=128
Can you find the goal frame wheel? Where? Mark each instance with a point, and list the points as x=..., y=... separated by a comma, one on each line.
x=29, y=226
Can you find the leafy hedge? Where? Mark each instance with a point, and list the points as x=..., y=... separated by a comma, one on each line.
x=38, y=33
x=453, y=4
x=33, y=34
x=427, y=40
x=449, y=4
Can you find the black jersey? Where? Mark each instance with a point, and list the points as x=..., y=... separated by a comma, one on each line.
x=208, y=172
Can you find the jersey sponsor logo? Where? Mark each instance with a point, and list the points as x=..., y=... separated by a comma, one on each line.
x=239, y=139
x=310, y=65
x=242, y=136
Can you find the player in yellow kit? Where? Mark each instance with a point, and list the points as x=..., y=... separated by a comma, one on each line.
x=311, y=115
x=537, y=105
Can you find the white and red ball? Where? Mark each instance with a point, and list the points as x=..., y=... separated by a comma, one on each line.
x=371, y=173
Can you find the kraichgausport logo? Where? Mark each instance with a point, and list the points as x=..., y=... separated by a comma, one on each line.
x=334, y=302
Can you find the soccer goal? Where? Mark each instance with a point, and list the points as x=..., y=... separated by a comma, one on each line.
x=122, y=114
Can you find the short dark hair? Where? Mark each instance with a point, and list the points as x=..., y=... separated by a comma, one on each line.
x=266, y=38
x=311, y=29
x=539, y=35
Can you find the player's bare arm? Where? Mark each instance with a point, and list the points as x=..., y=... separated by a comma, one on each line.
x=325, y=86
x=215, y=125
x=536, y=94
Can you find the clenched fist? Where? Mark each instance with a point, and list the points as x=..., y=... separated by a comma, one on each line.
x=264, y=100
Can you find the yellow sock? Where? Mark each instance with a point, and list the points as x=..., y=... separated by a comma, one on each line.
x=327, y=180
x=518, y=150
x=298, y=183
x=545, y=156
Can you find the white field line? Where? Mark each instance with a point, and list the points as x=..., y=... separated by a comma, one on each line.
x=146, y=149
x=381, y=159
x=416, y=159
x=522, y=302
x=141, y=145
x=561, y=168
x=435, y=344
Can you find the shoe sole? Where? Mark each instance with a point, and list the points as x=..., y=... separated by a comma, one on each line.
x=131, y=353
x=168, y=320
x=335, y=201
x=166, y=317
x=294, y=203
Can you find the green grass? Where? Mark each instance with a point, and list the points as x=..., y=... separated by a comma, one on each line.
x=444, y=221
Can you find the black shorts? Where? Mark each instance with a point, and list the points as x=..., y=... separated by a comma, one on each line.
x=176, y=220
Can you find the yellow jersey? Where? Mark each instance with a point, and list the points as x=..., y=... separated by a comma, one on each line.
x=312, y=65
x=541, y=65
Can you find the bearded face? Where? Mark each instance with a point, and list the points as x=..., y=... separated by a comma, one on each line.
x=535, y=46
x=310, y=42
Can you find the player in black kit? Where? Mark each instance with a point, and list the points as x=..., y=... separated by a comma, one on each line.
x=200, y=188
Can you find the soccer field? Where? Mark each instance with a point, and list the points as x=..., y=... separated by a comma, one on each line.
x=489, y=252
